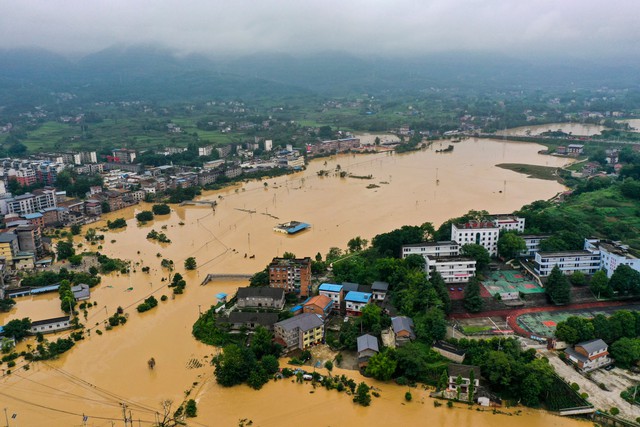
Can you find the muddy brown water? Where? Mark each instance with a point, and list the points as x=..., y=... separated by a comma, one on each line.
x=103, y=371
x=578, y=129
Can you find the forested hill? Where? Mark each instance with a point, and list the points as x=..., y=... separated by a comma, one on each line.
x=157, y=74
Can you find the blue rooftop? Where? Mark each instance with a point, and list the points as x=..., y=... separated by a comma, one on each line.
x=355, y=296
x=297, y=228
x=32, y=216
x=221, y=295
x=44, y=289
x=296, y=308
x=330, y=287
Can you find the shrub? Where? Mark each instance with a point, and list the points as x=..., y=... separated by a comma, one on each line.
x=407, y=396
x=190, y=408
x=614, y=411
x=144, y=216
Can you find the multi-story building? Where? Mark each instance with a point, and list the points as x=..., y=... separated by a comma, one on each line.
x=260, y=297
x=533, y=244
x=589, y=355
x=379, y=290
x=9, y=247
x=291, y=274
x=300, y=332
x=441, y=248
x=122, y=155
x=29, y=203
x=453, y=269
x=612, y=255
x=205, y=151
x=332, y=291
x=486, y=232
x=333, y=146
x=26, y=177
x=29, y=239
x=355, y=301
x=568, y=262
x=320, y=305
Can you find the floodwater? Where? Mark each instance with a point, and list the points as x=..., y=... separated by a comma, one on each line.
x=576, y=129
x=103, y=371
x=634, y=123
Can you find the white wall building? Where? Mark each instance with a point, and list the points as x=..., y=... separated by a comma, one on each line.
x=568, y=262
x=437, y=249
x=533, y=244
x=509, y=223
x=268, y=145
x=484, y=233
x=612, y=255
x=453, y=269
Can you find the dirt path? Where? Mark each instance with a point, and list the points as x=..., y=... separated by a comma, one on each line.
x=615, y=381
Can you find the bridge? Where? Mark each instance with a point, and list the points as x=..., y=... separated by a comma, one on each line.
x=223, y=276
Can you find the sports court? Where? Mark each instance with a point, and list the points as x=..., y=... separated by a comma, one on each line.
x=544, y=323
x=499, y=282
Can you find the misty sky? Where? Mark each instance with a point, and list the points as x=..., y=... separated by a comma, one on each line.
x=581, y=28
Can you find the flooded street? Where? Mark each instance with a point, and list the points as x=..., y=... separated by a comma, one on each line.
x=103, y=371
x=577, y=129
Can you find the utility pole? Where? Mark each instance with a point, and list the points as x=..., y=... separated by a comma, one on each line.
x=6, y=417
x=124, y=413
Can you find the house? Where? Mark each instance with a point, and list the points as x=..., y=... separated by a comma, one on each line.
x=402, y=329
x=567, y=261
x=50, y=325
x=8, y=246
x=575, y=149
x=355, y=301
x=81, y=292
x=379, y=290
x=299, y=332
x=349, y=287
x=456, y=370
x=291, y=275
x=260, y=297
x=367, y=347
x=320, y=305
x=449, y=351
x=240, y=320
x=334, y=292
x=589, y=355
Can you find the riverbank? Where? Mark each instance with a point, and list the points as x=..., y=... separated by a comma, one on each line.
x=532, y=171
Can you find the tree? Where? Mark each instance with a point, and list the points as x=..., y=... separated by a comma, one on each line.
x=625, y=280
x=381, y=366
x=117, y=223
x=6, y=304
x=478, y=253
x=64, y=249
x=458, y=386
x=190, y=263
x=191, y=409
x=557, y=287
x=17, y=328
x=161, y=209
x=371, y=318
x=443, y=382
x=75, y=260
x=578, y=278
x=270, y=364
x=261, y=278
x=234, y=365
x=362, y=396
x=430, y=326
x=472, y=385
x=262, y=343
x=626, y=351
x=357, y=244
x=600, y=285
x=76, y=229
x=144, y=216
x=510, y=245
x=472, y=299
x=288, y=255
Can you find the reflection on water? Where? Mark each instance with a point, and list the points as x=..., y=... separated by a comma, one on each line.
x=102, y=371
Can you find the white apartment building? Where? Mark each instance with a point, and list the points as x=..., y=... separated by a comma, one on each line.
x=612, y=254
x=453, y=269
x=31, y=203
x=568, y=262
x=437, y=249
x=509, y=223
x=484, y=233
x=533, y=244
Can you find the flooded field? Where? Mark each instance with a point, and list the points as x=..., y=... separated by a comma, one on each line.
x=103, y=371
x=634, y=123
x=577, y=129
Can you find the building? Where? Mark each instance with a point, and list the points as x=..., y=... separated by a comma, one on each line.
x=486, y=232
x=35, y=219
x=575, y=149
x=437, y=249
x=355, y=301
x=320, y=305
x=260, y=297
x=29, y=239
x=453, y=269
x=568, y=262
x=206, y=151
x=299, y=332
x=334, y=292
x=612, y=254
x=402, y=327
x=9, y=247
x=367, y=348
x=589, y=355
x=464, y=372
x=122, y=155
x=50, y=325
x=533, y=244
x=293, y=275
x=449, y=351
x=30, y=203
x=240, y=320
x=81, y=292
x=333, y=146
x=379, y=290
